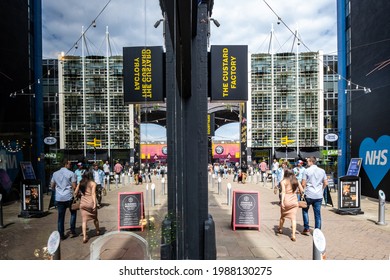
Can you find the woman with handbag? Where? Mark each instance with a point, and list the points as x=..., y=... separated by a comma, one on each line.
x=289, y=201
x=88, y=203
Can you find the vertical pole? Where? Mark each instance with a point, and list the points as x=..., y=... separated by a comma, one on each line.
x=229, y=194
x=108, y=95
x=37, y=62
x=342, y=97
x=187, y=86
x=1, y=211
x=147, y=204
x=297, y=92
x=108, y=181
x=163, y=186
x=272, y=96
x=153, y=194
x=219, y=185
x=381, y=209
x=84, y=97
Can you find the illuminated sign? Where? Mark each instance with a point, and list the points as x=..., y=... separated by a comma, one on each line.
x=143, y=74
x=229, y=73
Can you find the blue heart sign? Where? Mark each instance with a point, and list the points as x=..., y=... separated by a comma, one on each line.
x=376, y=160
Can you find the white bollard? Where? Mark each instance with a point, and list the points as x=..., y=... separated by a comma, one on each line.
x=116, y=180
x=163, y=185
x=53, y=246
x=212, y=180
x=147, y=196
x=153, y=194
x=229, y=193
x=319, y=245
x=381, y=209
x=219, y=185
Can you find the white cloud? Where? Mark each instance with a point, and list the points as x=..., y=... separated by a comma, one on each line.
x=153, y=132
x=228, y=132
x=248, y=22
x=130, y=23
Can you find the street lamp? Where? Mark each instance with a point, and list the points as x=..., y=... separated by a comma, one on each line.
x=217, y=24
x=158, y=23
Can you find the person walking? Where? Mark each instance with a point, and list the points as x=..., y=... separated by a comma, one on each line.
x=79, y=172
x=98, y=177
x=299, y=170
x=235, y=171
x=118, y=171
x=149, y=172
x=88, y=203
x=314, y=181
x=64, y=183
x=275, y=166
x=136, y=172
x=244, y=170
x=289, y=201
x=106, y=170
x=263, y=169
x=280, y=176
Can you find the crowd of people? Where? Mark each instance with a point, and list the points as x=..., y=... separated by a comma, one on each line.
x=290, y=183
x=299, y=182
x=89, y=185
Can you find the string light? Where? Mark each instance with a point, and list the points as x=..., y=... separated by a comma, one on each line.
x=74, y=46
x=280, y=20
x=12, y=148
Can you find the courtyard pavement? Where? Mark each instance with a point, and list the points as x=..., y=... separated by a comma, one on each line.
x=348, y=237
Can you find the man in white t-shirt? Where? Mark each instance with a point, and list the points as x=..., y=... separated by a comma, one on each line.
x=106, y=170
x=314, y=181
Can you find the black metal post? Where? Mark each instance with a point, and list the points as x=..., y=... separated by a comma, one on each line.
x=186, y=87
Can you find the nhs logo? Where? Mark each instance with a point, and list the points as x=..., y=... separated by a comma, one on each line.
x=376, y=158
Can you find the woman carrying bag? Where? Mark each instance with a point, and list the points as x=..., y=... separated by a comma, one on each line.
x=289, y=201
x=88, y=203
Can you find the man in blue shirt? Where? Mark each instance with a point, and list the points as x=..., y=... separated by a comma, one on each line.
x=98, y=177
x=313, y=182
x=299, y=170
x=79, y=172
x=64, y=182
